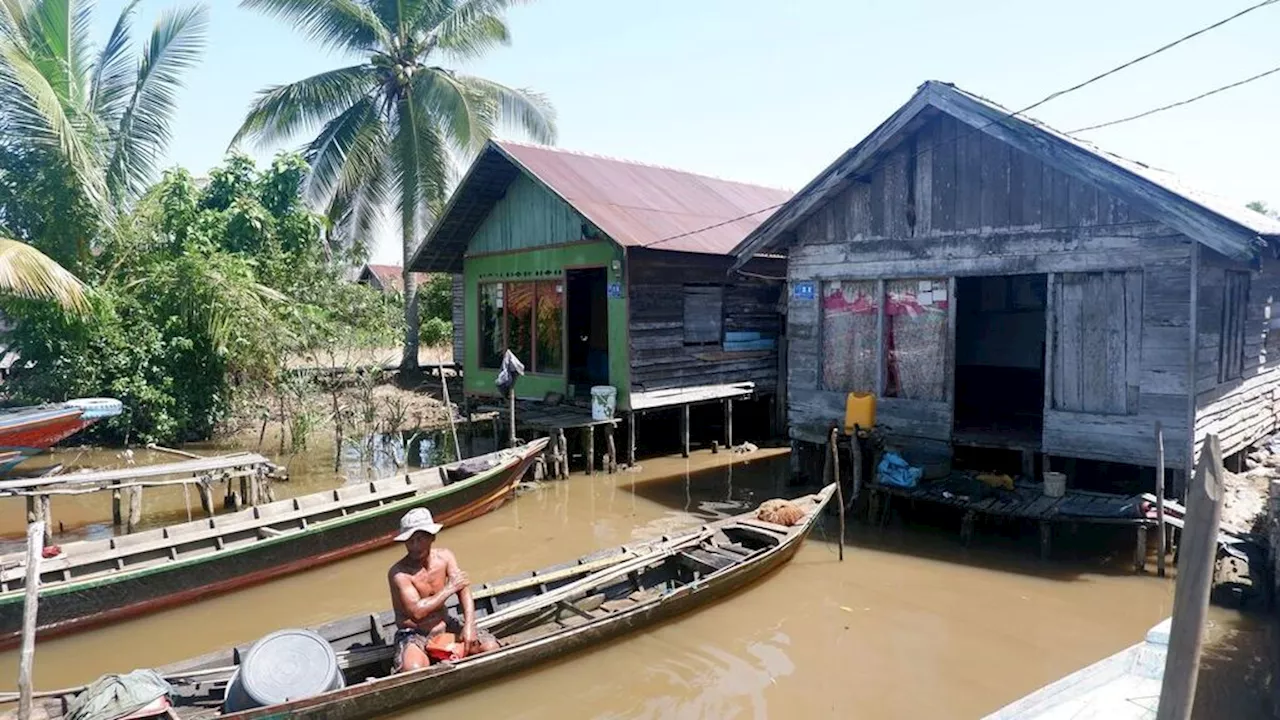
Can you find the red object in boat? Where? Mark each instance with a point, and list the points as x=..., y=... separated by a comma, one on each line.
x=51, y=551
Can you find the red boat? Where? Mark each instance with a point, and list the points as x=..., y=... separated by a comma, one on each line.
x=27, y=431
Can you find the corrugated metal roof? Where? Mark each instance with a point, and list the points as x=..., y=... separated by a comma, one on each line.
x=634, y=204
x=388, y=276
x=1222, y=224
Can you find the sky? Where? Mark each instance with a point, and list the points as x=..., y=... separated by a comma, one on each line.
x=771, y=92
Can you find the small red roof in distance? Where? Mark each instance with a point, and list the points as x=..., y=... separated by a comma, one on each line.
x=649, y=206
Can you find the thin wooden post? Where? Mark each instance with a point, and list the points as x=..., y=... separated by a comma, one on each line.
x=833, y=462
x=631, y=439
x=46, y=517
x=684, y=430
x=30, y=601
x=511, y=418
x=1161, y=539
x=728, y=424
x=135, y=509
x=453, y=426
x=855, y=451
x=205, y=486
x=117, y=516
x=611, y=458
x=590, y=442
x=1197, y=550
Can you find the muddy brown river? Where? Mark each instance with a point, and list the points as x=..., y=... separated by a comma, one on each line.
x=911, y=624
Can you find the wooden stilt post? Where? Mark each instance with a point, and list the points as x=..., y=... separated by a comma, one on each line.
x=611, y=461
x=135, y=509
x=1161, y=545
x=468, y=430
x=46, y=517
x=833, y=463
x=511, y=418
x=117, y=517
x=631, y=440
x=855, y=449
x=1198, y=549
x=684, y=430
x=728, y=424
x=590, y=441
x=30, y=600
x=205, y=486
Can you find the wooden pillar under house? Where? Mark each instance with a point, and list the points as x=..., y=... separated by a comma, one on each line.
x=631, y=439
x=684, y=430
x=589, y=443
x=611, y=450
x=728, y=424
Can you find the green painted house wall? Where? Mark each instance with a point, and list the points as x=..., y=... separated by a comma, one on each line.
x=533, y=235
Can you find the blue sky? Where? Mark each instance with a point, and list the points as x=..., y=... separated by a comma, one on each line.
x=771, y=91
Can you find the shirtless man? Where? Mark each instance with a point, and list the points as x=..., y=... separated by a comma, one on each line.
x=421, y=583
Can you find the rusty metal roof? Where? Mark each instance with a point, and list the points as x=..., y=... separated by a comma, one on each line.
x=634, y=204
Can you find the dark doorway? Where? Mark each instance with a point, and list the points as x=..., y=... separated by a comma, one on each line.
x=587, y=325
x=1000, y=347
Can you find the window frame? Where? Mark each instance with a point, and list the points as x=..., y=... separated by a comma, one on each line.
x=684, y=316
x=533, y=366
x=1238, y=326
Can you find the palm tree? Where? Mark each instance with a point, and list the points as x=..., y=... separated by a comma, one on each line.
x=392, y=127
x=103, y=113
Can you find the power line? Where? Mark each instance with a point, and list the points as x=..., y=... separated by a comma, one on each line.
x=1016, y=113
x=1180, y=103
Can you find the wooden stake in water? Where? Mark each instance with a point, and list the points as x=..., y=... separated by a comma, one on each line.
x=834, y=459
x=1197, y=551
x=31, y=596
x=1162, y=537
x=453, y=427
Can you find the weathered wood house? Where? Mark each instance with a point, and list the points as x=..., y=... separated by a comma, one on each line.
x=596, y=271
x=999, y=284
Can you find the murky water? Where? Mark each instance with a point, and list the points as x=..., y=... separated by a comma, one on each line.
x=910, y=625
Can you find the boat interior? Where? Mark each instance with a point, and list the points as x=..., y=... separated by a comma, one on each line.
x=89, y=559
x=518, y=610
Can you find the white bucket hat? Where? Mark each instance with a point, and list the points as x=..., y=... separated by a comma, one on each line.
x=417, y=520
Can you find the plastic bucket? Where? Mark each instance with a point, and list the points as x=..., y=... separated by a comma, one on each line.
x=285, y=665
x=1055, y=484
x=604, y=398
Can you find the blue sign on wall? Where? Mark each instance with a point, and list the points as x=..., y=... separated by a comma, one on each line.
x=615, y=290
x=802, y=291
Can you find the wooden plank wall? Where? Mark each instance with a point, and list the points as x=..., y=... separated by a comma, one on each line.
x=459, y=312
x=1245, y=409
x=660, y=359
x=950, y=201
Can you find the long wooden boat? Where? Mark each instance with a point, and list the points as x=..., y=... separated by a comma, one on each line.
x=27, y=431
x=100, y=581
x=535, y=616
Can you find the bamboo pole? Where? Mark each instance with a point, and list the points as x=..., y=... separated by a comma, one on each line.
x=833, y=459
x=684, y=430
x=511, y=417
x=30, y=600
x=172, y=451
x=1197, y=551
x=453, y=427
x=1162, y=538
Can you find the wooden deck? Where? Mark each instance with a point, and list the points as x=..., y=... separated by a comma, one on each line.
x=1026, y=501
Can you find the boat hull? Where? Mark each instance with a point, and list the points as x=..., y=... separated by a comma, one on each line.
x=413, y=689
x=116, y=599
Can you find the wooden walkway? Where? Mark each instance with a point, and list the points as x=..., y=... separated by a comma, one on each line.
x=1026, y=501
x=140, y=475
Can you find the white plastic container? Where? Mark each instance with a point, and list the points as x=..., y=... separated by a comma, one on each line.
x=1055, y=484
x=604, y=398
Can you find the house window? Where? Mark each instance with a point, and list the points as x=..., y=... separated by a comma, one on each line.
x=703, y=314
x=526, y=318
x=850, y=317
x=916, y=339
x=1235, y=303
x=1096, y=351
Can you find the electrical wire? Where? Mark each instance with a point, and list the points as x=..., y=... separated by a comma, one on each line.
x=1034, y=105
x=1180, y=103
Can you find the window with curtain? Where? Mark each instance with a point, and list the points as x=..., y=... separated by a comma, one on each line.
x=550, y=326
x=528, y=319
x=492, y=325
x=850, y=314
x=916, y=339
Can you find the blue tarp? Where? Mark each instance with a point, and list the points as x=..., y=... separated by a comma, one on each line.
x=893, y=470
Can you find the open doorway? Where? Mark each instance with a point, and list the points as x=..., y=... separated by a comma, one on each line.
x=587, y=325
x=1000, y=350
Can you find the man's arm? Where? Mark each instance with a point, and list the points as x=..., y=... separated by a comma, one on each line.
x=419, y=608
x=464, y=598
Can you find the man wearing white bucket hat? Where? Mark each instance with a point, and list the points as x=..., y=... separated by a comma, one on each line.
x=421, y=584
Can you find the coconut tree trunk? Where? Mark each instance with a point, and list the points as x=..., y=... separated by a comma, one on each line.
x=409, y=360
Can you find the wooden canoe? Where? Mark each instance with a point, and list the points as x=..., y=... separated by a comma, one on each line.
x=536, y=616
x=100, y=581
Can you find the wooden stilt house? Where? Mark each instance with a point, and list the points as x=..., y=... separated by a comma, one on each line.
x=999, y=284
x=597, y=271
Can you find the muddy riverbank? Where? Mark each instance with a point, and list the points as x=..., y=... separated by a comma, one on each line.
x=912, y=624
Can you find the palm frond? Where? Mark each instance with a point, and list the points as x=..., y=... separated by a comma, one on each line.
x=347, y=146
x=115, y=71
x=465, y=117
x=36, y=110
x=516, y=108
x=279, y=112
x=357, y=210
x=13, y=15
x=175, y=46
x=27, y=272
x=466, y=28
x=337, y=24
x=420, y=166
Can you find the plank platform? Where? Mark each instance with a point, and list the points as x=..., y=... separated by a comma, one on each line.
x=657, y=399
x=188, y=468
x=1028, y=501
